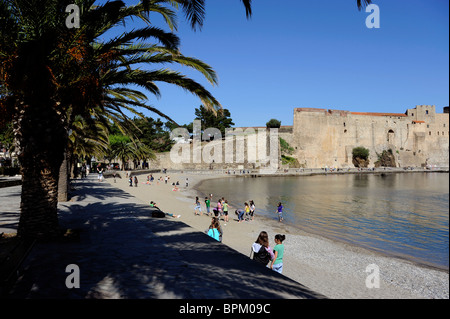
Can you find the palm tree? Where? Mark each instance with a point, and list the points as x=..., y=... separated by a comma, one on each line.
x=122, y=148
x=50, y=74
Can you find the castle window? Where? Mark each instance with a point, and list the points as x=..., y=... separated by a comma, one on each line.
x=438, y=133
x=426, y=112
x=390, y=137
x=412, y=114
x=345, y=131
x=429, y=133
x=344, y=124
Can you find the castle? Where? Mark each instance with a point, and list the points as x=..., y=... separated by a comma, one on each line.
x=326, y=138
x=418, y=137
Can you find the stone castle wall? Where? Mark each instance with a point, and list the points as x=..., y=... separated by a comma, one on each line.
x=327, y=137
x=248, y=149
x=323, y=137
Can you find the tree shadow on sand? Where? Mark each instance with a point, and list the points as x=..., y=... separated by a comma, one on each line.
x=124, y=253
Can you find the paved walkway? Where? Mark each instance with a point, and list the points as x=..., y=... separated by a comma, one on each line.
x=124, y=253
x=9, y=208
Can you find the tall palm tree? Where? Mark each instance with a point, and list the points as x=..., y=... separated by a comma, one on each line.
x=49, y=74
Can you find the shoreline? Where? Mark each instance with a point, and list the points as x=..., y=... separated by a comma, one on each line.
x=306, y=232
x=333, y=268
x=310, y=232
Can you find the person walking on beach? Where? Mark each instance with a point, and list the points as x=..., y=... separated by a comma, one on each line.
x=135, y=181
x=261, y=250
x=208, y=206
x=197, y=207
x=214, y=230
x=278, y=251
x=100, y=173
x=280, y=211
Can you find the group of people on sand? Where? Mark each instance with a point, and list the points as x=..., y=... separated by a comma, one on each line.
x=260, y=250
x=222, y=209
x=175, y=185
x=264, y=254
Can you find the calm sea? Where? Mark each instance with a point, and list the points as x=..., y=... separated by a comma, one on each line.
x=399, y=214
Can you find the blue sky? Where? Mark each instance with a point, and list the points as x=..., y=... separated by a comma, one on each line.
x=295, y=53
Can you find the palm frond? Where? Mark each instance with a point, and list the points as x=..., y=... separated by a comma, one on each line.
x=362, y=3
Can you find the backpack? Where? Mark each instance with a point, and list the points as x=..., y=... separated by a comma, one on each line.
x=262, y=256
x=214, y=233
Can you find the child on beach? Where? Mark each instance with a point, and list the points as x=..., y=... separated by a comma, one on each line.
x=218, y=210
x=261, y=250
x=280, y=212
x=197, y=207
x=278, y=251
x=252, y=209
x=208, y=206
x=225, y=211
x=247, y=210
x=214, y=230
x=240, y=214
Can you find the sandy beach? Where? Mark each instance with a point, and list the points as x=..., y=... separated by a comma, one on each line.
x=331, y=268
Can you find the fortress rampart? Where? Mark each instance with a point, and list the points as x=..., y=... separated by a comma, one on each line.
x=323, y=137
x=418, y=137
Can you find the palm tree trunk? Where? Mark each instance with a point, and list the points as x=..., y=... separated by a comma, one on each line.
x=42, y=139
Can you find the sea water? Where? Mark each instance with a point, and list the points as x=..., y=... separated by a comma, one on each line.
x=400, y=214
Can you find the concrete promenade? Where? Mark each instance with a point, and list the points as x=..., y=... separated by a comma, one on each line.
x=124, y=253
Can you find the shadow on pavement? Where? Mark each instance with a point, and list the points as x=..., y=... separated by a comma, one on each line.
x=124, y=253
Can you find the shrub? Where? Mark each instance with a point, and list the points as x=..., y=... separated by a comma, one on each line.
x=273, y=123
x=360, y=152
x=291, y=161
x=285, y=147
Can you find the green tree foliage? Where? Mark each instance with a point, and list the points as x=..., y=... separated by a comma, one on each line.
x=273, y=123
x=151, y=133
x=50, y=74
x=360, y=152
x=220, y=119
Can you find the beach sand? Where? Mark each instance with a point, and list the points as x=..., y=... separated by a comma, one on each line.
x=331, y=268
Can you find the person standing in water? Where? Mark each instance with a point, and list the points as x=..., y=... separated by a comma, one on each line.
x=280, y=211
